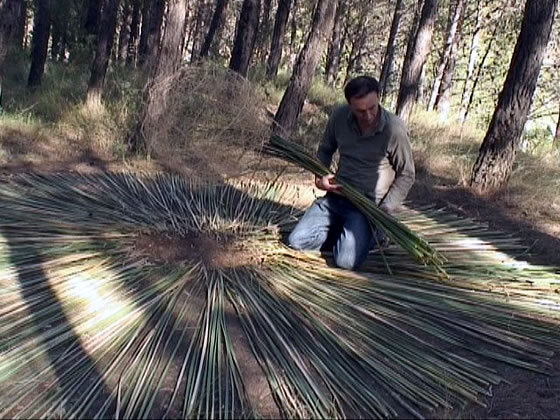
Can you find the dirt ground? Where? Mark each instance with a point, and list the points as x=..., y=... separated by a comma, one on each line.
x=528, y=395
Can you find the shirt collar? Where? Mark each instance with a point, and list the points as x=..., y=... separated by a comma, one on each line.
x=380, y=124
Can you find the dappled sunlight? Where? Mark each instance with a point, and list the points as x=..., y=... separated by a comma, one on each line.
x=133, y=290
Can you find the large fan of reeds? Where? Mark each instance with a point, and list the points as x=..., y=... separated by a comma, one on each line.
x=130, y=296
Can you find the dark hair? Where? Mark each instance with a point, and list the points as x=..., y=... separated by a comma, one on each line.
x=360, y=86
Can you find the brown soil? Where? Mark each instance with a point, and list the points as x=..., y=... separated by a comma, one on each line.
x=215, y=253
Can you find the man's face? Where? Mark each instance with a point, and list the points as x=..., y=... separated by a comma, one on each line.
x=365, y=108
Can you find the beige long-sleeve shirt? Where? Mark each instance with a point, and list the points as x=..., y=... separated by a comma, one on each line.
x=380, y=164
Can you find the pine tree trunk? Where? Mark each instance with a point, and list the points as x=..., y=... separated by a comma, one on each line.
x=40, y=42
x=443, y=99
x=334, y=49
x=196, y=34
x=10, y=10
x=133, y=38
x=277, y=42
x=103, y=49
x=358, y=41
x=479, y=71
x=556, y=140
x=144, y=30
x=308, y=59
x=386, y=69
x=19, y=36
x=157, y=11
x=171, y=51
x=93, y=16
x=444, y=56
x=473, y=56
x=217, y=18
x=124, y=31
x=497, y=154
x=263, y=34
x=246, y=36
x=415, y=59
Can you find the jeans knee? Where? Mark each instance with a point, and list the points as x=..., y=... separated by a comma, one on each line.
x=346, y=261
x=297, y=241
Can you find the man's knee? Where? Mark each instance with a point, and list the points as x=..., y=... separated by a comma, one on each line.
x=298, y=240
x=348, y=260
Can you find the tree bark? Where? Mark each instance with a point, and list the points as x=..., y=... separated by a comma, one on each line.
x=153, y=36
x=479, y=71
x=387, y=68
x=19, y=36
x=196, y=33
x=93, y=16
x=102, y=52
x=246, y=36
x=171, y=52
x=41, y=29
x=358, y=41
x=455, y=11
x=133, y=37
x=473, y=56
x=494, y=164
x=556, y=139
x=263, y=34
x=10, y=10
x=302, y=76
x=277, y=42
x=415, y=59
x=144, y=29
x=124, y=31
x=443, y=97
x=334, y=49
x=217, y=19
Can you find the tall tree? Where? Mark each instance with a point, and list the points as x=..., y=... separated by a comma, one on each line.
x=263, y=34
x=10, y=11
x=556, y=139
x=494, y=164
x=387, y=67
x=416, y=56
x=443, y=100
x=124, y=30
x=449, y=47
x=151, y=27
x=334, y=50
x=103, y=49
x=21, y=28
x=133, y=37
x=277, y=42
x=246, y=36
x=215, y=23
x=40, y=42
x=93, y=16
x=473, y=57
x=292, y=102
x=171, y=51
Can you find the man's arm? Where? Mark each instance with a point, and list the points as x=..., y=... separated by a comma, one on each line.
x=400, y=156
x=325, y=152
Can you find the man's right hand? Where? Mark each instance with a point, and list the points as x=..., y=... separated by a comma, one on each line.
x=326, y=183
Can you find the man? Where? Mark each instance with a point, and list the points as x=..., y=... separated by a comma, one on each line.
x=375, y=157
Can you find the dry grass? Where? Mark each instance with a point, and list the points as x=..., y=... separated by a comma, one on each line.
x=206, y=121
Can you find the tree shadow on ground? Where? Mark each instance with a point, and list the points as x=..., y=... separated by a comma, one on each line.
x=444, y=193
x=251, y=370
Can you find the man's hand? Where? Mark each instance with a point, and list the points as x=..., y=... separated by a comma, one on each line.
x=326, y=183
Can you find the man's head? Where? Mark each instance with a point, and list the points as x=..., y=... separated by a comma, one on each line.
x=362, y=94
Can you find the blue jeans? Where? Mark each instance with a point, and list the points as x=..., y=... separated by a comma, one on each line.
x=332, y=223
